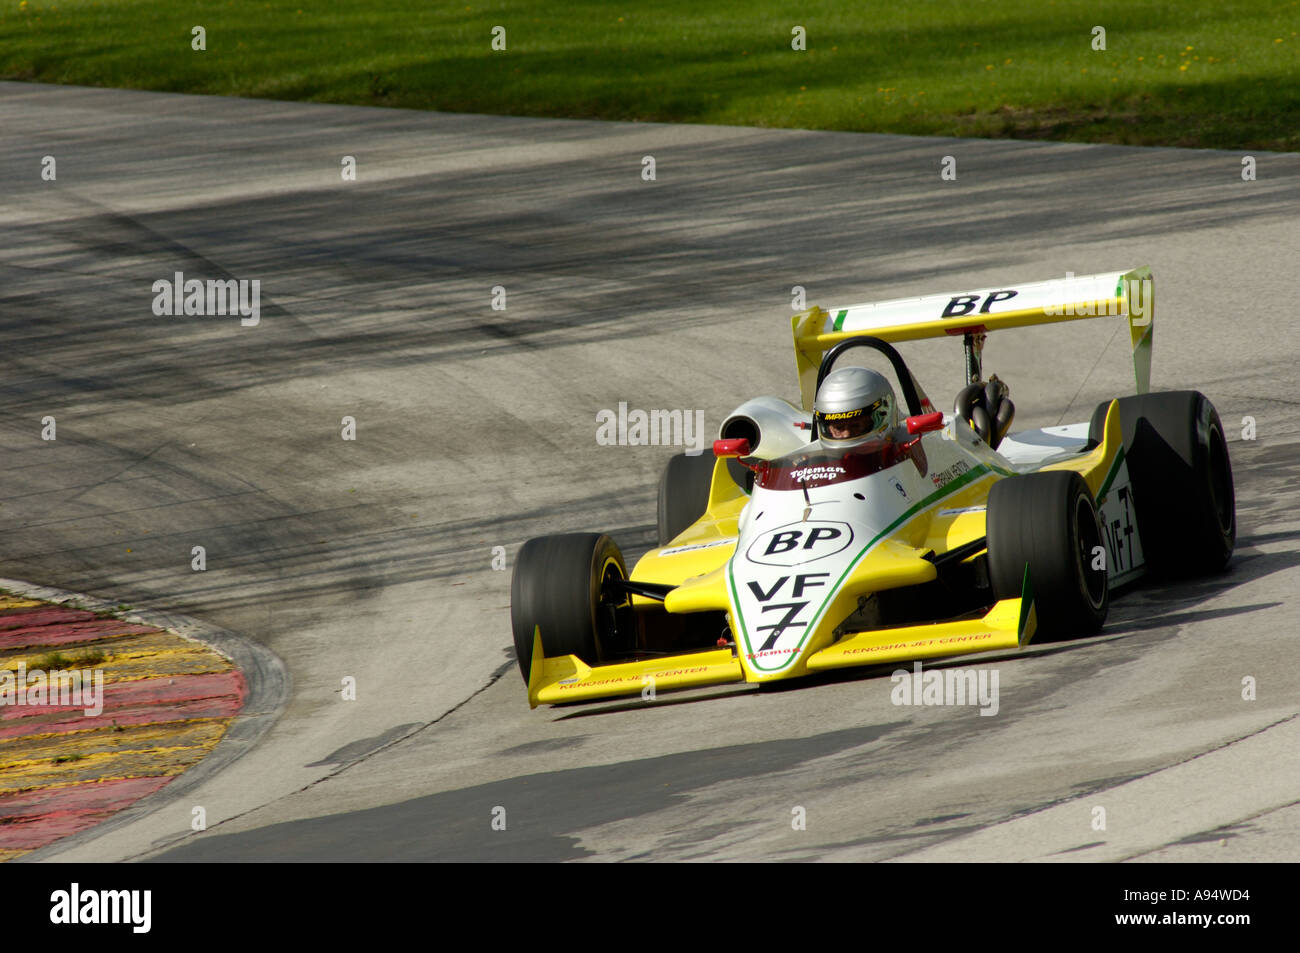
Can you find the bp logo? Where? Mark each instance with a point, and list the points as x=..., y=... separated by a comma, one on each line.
x=797, y=543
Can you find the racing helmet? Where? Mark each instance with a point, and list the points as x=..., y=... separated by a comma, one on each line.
x=853, y=405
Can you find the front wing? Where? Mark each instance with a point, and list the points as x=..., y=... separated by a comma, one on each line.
x=1009, y=624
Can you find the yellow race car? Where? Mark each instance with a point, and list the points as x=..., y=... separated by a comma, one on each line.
x=788, y=551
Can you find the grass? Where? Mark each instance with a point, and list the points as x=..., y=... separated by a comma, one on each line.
x=1213, y=74
x=57, y=661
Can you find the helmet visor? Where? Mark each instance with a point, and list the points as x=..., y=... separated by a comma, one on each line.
x=845, y=425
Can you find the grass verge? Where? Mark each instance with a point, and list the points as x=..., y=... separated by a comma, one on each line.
x=1224, y=74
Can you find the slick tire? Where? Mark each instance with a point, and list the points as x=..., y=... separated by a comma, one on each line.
x=557, y=587
x=1182, y=480
x=683, y=493
x=1048, y=522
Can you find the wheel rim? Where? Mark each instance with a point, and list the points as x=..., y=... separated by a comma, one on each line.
x=605, y=607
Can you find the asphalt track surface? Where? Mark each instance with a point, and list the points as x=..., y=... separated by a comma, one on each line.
x=476, y=428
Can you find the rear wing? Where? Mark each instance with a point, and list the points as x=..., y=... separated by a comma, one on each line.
x=1130, y=294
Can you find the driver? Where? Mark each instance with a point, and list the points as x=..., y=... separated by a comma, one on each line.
x=854, y=405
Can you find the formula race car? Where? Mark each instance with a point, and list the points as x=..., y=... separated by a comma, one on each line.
x=802, y=545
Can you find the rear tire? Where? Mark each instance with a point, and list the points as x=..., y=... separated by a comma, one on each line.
x=557, y=586
x=1182, y=480
x=683, y=493
x=1049, y=522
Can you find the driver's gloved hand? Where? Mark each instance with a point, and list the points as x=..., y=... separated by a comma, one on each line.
x=988, y=409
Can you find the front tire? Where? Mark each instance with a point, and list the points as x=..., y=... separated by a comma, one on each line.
x=1048, y=522
x=559, y=586
x=683, y=493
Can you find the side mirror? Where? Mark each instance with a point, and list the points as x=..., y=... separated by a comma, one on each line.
x=924, y=423
x=737, y=447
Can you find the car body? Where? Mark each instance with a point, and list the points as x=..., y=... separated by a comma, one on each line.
x=782, y=557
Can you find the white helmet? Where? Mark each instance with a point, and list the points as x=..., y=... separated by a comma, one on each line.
x=853, y=405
